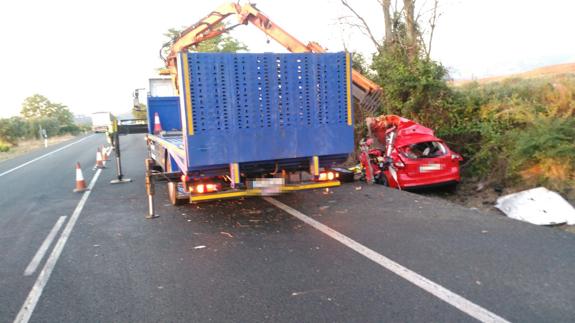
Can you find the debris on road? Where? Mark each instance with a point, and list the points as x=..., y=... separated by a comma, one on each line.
x=199, y=247
x=226, y=234
x=538, y=206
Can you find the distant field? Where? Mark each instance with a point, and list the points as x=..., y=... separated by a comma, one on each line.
x=551, y=70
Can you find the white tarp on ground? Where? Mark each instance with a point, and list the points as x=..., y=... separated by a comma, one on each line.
x=538, y=206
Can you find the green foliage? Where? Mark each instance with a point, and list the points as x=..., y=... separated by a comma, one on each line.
x=4, y=148
x=411, y=89
x=523, y=131
x=218, y=44
x=37, y=113
x=12, y=129
x=38, y=106
x=51, y=125
x=360, y=64
x=70, y=129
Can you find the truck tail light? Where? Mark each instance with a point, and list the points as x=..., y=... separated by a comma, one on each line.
x=328, y=176
x=204, y=188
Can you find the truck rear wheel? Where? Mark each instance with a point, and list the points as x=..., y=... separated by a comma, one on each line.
x=174, y=194
x=176, y=198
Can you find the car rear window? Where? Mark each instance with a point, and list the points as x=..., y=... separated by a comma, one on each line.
x=427, y=149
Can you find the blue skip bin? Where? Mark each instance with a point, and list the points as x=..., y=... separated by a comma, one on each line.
x=239, y=108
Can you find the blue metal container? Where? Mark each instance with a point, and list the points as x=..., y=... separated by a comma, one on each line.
x=246, y=108
x=168, y=109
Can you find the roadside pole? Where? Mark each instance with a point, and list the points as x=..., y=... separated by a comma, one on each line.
x=44, y=135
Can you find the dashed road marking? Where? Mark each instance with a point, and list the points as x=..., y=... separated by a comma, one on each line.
x=429, y=286
x=44, y=247
x=28, y=307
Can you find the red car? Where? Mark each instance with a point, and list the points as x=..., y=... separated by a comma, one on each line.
x=416, y=159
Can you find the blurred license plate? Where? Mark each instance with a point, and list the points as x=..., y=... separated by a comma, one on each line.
x=269, y=186
x=429, y=167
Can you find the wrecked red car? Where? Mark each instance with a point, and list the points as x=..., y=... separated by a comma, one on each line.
x=404, y=154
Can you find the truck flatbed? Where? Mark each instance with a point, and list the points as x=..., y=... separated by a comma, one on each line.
x=174, y=143
x=253, y=124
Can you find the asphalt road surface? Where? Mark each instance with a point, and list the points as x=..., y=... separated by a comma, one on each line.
x=383, y=255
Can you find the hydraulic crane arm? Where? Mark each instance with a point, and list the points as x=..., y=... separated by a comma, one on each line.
x=208, y=27
x=367, y=93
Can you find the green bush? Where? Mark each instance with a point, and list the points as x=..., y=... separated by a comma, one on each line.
x=523, y=130
x=70, y=129
x=4, y=148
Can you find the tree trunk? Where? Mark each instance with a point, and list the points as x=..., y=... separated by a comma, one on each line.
x=389, y=38
x=412, y=50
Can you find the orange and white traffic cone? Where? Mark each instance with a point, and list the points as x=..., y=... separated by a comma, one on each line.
x=80, y=182
x=157, y=124
x=99, y=160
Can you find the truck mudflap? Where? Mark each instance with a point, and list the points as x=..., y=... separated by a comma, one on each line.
x=194, y=198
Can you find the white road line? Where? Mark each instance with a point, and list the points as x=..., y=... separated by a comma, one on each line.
x=28, y=307
x=43, y=156
x=429, y=286
x=44, y=247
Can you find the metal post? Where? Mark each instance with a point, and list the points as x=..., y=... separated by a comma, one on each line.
x=120, y=178
x=150, y=189
x=45, y=136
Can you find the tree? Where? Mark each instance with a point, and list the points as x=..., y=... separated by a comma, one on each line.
x=402, y=27
x=38, y=107
x=222, y=43
x=413, y=85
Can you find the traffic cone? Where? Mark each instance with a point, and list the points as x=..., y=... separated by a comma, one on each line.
x=157, y=124
x=99, y=160
x=80, y=182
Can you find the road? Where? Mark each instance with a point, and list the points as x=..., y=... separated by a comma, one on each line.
x=250, y=261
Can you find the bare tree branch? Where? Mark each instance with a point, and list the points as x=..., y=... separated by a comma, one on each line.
x=368, y=31
x=432, y=22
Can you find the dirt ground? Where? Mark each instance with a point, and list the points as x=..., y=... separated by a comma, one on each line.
x=31, y=145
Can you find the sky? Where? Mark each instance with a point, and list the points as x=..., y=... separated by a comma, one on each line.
x=91, y=55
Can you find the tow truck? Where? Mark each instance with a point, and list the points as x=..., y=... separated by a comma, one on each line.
x=251, y=124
